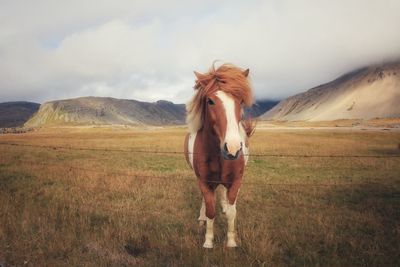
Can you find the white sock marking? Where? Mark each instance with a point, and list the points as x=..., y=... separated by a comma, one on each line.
x=202, y=216
x=208, y=243
x=231, y=216
x=224, y=201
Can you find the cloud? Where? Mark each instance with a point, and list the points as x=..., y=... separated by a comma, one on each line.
x=148, y=50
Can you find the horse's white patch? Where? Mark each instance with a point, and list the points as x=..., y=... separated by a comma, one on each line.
x=224, y=199
x=202, y=215
x=192, y=138
x=245, y=151
x=231, y=216
x=232, y=137
x=208, y=243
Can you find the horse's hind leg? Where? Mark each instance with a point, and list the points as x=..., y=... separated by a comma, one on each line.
x=224, y=201
x=202, y=217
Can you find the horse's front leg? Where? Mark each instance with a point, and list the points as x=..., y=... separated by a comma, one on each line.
x=232, y=193
x=209, y=200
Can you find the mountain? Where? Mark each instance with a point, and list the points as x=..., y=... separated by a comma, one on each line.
x=111, y=111
x=106, y=110
x=370, y=92
x=14, y=114
x=259, y=108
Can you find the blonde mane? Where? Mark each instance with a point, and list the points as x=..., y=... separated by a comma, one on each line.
x=227, y=78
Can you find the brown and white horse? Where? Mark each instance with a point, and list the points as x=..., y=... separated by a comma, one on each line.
x=216, y=146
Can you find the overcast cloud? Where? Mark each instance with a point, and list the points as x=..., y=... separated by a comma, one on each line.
x=147, y=50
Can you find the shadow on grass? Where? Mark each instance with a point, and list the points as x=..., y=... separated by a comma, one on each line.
x=361, y=226
x=354, y=225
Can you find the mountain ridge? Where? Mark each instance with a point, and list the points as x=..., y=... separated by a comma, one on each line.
x=106, y=110
x=112, y=111
x=365, y=93
x=16, y=113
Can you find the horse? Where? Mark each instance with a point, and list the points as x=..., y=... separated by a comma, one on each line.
x=217, y=147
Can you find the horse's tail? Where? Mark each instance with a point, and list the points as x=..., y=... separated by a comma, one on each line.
x=249, y=126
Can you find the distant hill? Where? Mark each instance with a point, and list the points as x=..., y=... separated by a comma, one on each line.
x=15, y=114
x=106, y=110
x=370, y=92
x=260, y=107
x=111, y=111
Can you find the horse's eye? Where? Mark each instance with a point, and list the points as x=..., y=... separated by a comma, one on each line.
x=210, y=101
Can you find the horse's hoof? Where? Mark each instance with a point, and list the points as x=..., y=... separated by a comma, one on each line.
x=208, y=245
x=231, y=244
x=202, y=223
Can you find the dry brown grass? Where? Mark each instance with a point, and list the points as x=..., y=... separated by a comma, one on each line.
x=65, y=207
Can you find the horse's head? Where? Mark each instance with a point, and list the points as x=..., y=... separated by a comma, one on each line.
x=223, y=113
x=221, y=94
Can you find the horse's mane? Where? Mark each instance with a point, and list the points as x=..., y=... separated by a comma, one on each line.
x=227, y=78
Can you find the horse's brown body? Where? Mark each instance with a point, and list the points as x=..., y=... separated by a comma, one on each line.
x=216, y=147
x=212, y=170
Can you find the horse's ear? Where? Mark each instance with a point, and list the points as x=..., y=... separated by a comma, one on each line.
x=198, y=75
x=246, y=72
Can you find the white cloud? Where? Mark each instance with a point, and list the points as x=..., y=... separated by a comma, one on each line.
x=148, y=50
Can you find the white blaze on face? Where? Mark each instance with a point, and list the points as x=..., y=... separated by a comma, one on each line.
x=232, y=136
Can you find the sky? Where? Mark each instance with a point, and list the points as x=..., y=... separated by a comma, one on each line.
x=148, y=50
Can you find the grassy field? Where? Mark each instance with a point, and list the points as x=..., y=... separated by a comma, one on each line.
x=62, y=205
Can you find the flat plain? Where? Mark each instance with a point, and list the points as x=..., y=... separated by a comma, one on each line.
x=101, y=197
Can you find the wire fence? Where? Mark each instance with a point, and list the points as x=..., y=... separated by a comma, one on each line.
x=308, y=208
x=370, y=187
x=130, y=173
x=179, y=177
x=394, y=155
x=164, y=177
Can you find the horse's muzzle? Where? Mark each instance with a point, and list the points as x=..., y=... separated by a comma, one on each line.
x=228, y=156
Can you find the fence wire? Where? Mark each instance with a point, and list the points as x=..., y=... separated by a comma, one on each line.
x=182, y=152
x=193, y=179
